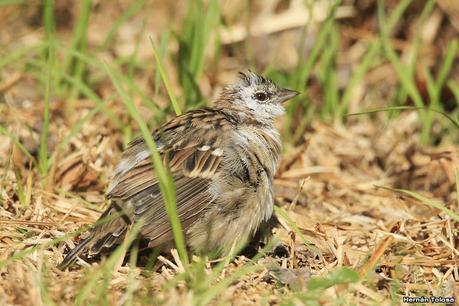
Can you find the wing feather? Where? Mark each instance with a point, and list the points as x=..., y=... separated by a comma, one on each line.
x=193, y=156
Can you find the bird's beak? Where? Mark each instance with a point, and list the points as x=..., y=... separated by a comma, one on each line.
x=287, y=94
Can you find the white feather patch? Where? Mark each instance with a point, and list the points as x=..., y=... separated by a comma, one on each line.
x=204, y=148
x=217, y=152
x=127, y=164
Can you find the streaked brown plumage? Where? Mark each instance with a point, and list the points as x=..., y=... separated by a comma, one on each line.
x=223, y=160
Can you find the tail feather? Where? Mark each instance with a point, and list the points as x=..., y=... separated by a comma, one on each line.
x=107, y=241
x=71, y=257
x=103, y=235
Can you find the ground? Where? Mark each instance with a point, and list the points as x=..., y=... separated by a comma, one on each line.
x=367, y=205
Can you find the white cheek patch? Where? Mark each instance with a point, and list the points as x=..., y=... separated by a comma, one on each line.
x=276, y=110
x=262, y=111
x=246, y=92
x=247, y=99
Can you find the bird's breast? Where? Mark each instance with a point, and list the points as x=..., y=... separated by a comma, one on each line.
x=242, y=189
x=256, y=148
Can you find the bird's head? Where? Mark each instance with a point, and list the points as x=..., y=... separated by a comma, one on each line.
x=258, y=95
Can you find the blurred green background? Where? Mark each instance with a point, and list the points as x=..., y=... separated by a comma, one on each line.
x=343, y=56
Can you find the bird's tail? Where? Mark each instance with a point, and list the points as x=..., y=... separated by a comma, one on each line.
x=109, y=230
x=71, y=257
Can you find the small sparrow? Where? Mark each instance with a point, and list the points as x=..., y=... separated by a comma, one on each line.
x=222, y=159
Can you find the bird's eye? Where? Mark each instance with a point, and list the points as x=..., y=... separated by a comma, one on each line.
x=261, y=96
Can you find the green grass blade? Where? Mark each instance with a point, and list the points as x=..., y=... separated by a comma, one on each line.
x=342, y=275
x=357, y=76
x=131, y=278
x=456, y=173
x=91, y=95
x=19, y=54
x=128, y=13
x=163, y=174
x=397, y=13
x=455, y=90
x=210, y=289
x=429, y=202
x=304, y=70
x=49, y=20
x=193, y=43
x=392, y=108
x=206, y=297
x=405, y=80
x=282, y=213
x=447, y=65
x=4, y=131
x=165, y=78
x=165, y=36
x=72, y=65
x=11, y=2
x=369, y=58
x=198, y=50
x=417, y=41
x=43, y=281
x=107, y=266
x=43, y=149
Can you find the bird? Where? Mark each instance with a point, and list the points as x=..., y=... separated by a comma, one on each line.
x=222, y=160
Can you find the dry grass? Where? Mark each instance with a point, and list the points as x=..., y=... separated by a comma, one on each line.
x=331, y=188
x=364, y=195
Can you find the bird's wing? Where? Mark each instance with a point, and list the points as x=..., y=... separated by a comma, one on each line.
x=192, y=147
